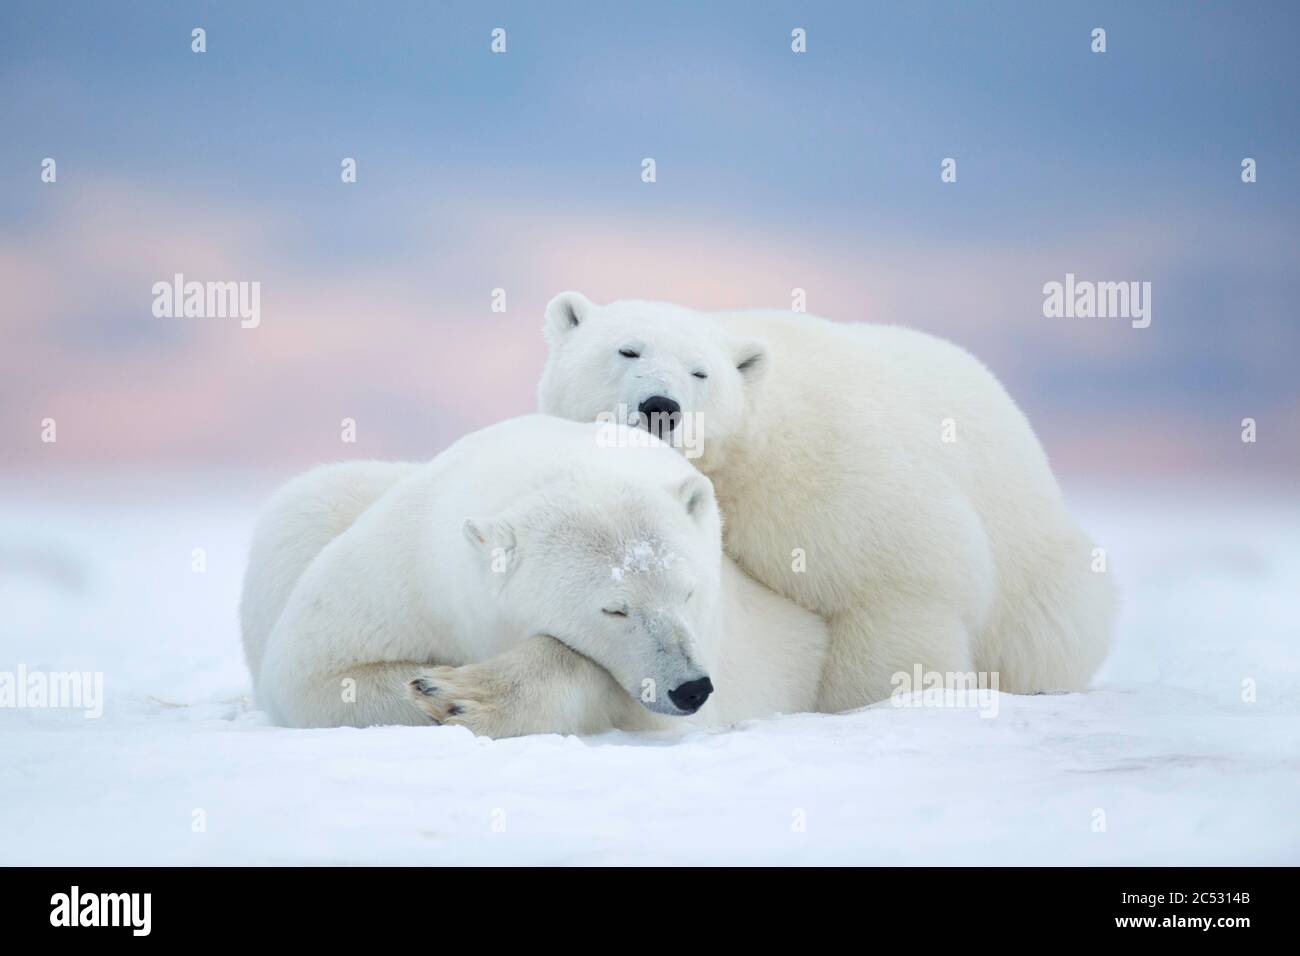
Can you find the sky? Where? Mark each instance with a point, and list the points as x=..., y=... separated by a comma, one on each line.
x=522, y=171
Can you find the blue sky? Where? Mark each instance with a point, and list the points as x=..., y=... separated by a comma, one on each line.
x=522, y=170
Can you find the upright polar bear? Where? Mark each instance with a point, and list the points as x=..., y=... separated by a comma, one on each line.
x=875, y=475
x=589, y=571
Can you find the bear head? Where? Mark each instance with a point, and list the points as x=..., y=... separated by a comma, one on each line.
x=664, y=368
x=623, y=569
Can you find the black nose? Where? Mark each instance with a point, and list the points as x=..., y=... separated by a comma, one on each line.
x=691, y=696
x=659, y=414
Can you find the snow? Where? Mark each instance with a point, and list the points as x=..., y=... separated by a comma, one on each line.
x=181, y=769
x=643, y=557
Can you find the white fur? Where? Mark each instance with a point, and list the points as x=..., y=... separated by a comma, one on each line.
x=477, y=590
x=828, y=439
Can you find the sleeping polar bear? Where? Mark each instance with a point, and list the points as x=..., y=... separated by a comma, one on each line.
x=877, y=476
x=538, y=576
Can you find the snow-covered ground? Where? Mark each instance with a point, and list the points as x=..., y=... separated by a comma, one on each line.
x=1168, y=761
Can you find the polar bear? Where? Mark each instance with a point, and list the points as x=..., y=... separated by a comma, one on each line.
x=877, y=476
x=587, y=590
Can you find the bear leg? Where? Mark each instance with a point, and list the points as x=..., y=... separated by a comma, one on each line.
x=869, y=647
x=361, y=695
x=539, y=686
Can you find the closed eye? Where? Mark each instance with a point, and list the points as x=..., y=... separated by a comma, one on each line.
x=700, y=374
x=629, y=353
x=614, y=611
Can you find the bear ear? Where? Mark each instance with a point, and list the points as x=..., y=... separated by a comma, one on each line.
x=493, y=536
x=696, y=494
x=564, y=313
x=751, y=359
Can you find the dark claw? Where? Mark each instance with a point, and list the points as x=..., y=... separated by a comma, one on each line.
x=426, y=687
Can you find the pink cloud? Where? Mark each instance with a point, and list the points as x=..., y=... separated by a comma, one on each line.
x=407, y=344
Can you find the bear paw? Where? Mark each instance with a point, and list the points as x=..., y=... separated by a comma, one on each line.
x=454, y=696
